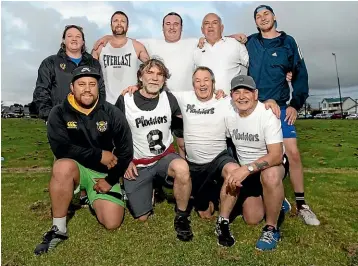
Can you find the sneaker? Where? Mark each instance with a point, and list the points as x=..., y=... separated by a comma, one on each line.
x=268, y=239
x=50, y=240
x=286, y=206
x=182, y=227
x=84, y=202
x=307, y=215
x=225, y=238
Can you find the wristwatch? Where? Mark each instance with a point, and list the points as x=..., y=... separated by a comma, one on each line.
x=250, y=168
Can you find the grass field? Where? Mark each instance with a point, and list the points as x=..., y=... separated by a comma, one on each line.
x=330, y=155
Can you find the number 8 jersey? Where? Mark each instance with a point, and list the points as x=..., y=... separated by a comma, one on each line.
x=150, y=129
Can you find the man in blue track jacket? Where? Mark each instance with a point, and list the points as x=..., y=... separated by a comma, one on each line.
x=272, y=55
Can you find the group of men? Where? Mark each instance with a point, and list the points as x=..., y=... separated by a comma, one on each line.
x=113, y=117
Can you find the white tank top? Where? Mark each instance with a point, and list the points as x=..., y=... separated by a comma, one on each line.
x=119, y=67
x=150, y=129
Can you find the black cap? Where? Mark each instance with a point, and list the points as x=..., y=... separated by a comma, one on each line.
x=243, y=81
x=85, y=71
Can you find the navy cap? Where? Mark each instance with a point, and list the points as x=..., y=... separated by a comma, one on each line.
x=85, y=71
x=243, y=81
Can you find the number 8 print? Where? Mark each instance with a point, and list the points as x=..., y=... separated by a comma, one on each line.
x=155, y=140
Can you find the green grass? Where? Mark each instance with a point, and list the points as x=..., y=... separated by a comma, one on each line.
x=333, y=194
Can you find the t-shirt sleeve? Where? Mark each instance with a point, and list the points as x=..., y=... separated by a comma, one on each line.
x=174, y=106
x=272, y=128
x=243, y=54
x=177, y=122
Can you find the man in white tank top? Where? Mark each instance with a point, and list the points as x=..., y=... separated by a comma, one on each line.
x=257, y=136
x=149, y=114
x=119, y=59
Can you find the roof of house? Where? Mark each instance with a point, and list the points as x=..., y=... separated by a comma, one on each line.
x=334, y=100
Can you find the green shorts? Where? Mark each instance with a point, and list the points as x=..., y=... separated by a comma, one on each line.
x=87, y=181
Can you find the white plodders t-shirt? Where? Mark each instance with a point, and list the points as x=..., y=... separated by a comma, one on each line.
x=178, y=57
x=150, y=129
x=225, y=58
x=119, y=67
x=251, y=134
x=204, y=126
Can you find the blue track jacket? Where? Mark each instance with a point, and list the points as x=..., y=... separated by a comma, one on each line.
x=269, y=65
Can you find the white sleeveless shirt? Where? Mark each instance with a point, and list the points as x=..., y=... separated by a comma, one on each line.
x=150, y=129
x=119, y=67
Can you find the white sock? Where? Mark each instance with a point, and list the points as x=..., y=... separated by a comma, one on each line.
x=60, y=223
x=220, y=219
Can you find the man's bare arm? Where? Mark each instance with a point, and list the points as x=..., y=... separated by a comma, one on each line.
x=96, y=53
x=272, y=158
x=141, y=51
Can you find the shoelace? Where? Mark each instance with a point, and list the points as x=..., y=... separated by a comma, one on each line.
x=48, y=236
x=267, y=237
x=307, y=213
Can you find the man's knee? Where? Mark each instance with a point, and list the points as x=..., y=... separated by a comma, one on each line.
x=180, y=170
x=271, y=178
x=292, y=152
x=111, y=224
x=143, y=218
x=65, y=168
x=253, y=218
x=253, y=210
x=228, y=168
x=109, y=214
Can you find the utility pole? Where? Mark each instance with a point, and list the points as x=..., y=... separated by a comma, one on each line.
x=339, y=85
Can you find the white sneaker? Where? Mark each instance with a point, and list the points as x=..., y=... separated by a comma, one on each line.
x=307, y=215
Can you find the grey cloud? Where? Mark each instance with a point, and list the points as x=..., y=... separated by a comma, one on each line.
x=320, y=28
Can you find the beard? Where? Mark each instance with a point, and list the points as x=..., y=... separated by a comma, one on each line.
x=119, y=31
x=152, y=90
x=84, y=105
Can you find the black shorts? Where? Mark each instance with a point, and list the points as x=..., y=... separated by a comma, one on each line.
x=207, y=180
x=252, y=187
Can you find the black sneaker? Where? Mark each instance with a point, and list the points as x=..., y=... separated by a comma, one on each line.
x=182, y=227
x=84, y=202
x=225, y=238
x=50, y=240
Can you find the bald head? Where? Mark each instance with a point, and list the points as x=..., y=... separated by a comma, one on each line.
x=211, y=16
x=212, y=28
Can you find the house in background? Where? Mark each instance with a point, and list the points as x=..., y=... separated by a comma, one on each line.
x=332, y=105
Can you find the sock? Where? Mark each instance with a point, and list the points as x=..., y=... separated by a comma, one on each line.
x=221, y=219
x=181, y=213
x=60, y=223
x=300, y=199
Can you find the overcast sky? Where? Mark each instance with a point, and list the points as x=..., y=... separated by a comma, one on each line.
x=31, y=31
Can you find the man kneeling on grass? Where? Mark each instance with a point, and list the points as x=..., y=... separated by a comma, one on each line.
x=257, y=136
x=93, y=143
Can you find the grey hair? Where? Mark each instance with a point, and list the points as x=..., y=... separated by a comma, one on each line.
x=204, y=68
x=220, y=20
